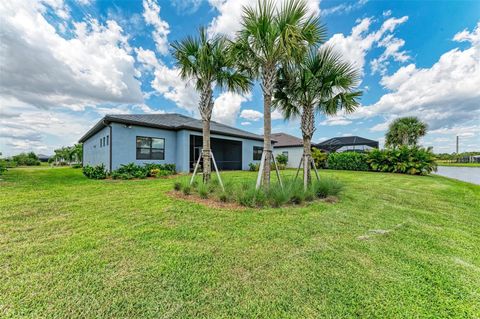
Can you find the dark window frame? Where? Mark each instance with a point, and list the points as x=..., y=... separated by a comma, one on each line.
x=285, y=153
x=100, y=142
x=257, y=153
x=150, y=148
x=107, y=139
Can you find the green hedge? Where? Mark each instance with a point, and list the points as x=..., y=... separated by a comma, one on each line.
x=404, y=160
x=130, y=171
x=351, y=161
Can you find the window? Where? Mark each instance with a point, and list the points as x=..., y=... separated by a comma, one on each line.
x=107, y=140
x=257, y=153
x=285, y=153
x=103, y=141
x=100, y=142
x=150, y=148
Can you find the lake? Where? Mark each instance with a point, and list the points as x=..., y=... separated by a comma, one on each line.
x=466, y=174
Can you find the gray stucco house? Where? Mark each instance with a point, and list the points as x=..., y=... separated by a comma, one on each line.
x=166, y=139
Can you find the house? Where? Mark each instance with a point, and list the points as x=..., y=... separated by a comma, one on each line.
x=43, y=158
x=347, y=143
x=166, y=138
x=290, y=146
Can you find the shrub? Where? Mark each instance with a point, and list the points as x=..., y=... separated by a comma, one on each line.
x=296, y=192
x=3, y=166
x=187, y=190
x=177, y=186
x=406, y=160
x=95, y=172
x=252, y=197
x=203, y=190
x=129, y=171
x=27, y=159
x=352, y=161
x=253, y=167
x=162, y=167
x=282, y=159
x=319, y=157
x=277, y=196
x=326, y=187
x=76, y=165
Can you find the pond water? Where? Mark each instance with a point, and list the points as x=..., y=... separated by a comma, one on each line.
x=466, y=174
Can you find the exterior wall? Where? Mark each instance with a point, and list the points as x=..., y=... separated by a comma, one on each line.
x=93, y=154
x=247, y=147
x=294, y=154
x=124, y=144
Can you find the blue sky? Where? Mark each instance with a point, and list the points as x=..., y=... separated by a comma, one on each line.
x=65, y=64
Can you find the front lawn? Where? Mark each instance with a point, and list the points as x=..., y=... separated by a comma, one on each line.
x=394, y=246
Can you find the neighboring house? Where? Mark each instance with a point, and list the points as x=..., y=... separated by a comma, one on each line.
x=347, y=143
x=166, y=138
x=289, y=145
x=43, y=158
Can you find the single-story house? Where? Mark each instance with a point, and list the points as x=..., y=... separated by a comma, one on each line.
x=347, y=143
x=166, y=139
x=289, y=145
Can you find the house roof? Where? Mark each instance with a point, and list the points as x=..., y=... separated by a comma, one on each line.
x=286, y=140
x=168, y=121
x=337, y=142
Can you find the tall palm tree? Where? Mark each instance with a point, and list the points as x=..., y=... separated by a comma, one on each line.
x=268, y=38
x=203, y=60
x=322, y=83
x=405, y=131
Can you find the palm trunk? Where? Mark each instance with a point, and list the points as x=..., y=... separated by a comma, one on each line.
x=207, y=166
x=267, y=86
x=307, y=123
x=206, y=107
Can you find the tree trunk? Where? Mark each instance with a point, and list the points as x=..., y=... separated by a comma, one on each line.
x=308, y=128
x=267, y=86
x=206, y=107
x=207, y=167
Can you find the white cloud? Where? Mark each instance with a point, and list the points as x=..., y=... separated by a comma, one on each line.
x=230, y=12
x=41, y=68
x=336, y=120
x=277, y=115
x=355, y=46
x=251, y=115
x=343, y=8
x=472, y=37
x=226, y=107
x=392, y=47
x=246, y=123
x=446, y=96
x=387, y=13
x=186, y=6
x=151, y=14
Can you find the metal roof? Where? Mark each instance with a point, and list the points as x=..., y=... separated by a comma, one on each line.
x=168, y=121
x=337, y=142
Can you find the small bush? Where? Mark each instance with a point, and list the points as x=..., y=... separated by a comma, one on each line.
x=76, y=166
x=95, y=172
x=327, y=187
x=296, y=192
x=277, y=195
x=319, y=157
x=352, y=161
x=282, y=159
x=177, y=186
x=253, y=167
x=131, y=170
x=223, y=197
x=187, y=190
x=3, y=166
x=203, y=190
x=252, y=197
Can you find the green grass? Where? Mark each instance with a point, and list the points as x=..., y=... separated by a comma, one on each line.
x=458, y=164
x=394, y=246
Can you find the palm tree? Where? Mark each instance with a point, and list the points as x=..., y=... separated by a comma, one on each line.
x=405, y=131
x=204, y=61
x=322, y=83
x=270, y=37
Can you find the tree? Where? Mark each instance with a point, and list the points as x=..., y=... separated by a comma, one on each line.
x=270, y=37
x=204, y=60
x=322, y=83
x=405, y=131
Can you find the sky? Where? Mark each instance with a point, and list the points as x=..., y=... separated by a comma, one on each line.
x=66, y=64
